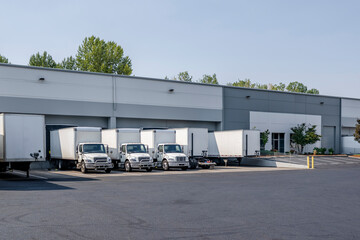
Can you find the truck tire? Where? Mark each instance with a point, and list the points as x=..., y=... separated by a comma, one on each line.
x=165, y=165
x=184, y=168
x=149, y=169
x=83, y=167
x=62, y=165
x=108, y=170
x=128, y=167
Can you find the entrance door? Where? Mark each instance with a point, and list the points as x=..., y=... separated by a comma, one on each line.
x=278, y=141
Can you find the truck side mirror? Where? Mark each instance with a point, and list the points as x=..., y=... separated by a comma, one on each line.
x=182, y=148
x=77, y=151
x=111, y=152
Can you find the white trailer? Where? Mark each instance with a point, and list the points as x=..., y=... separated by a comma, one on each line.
x=195, y=144
x=79, y=146
x=125, y=149
x=164, y=150
x=22, y=141
x=234, y=144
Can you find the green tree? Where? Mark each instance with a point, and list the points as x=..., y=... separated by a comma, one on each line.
x=303, y=135
x=3, y=59
x=68, y=63
x=184, y=76
x=209, y=79
x=261, y=86
x=357, y=131
x=96, y=55
x=313, y=91
x=296, y=87
x=277, y=87
x=246, y=83
x=264, y=137
x=42, y=60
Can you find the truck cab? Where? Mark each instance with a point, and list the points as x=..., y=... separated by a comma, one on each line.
x=93, y=156
x=170, y=155
x=135, y=156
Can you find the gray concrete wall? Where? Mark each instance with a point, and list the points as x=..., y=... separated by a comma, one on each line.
x=238, y=102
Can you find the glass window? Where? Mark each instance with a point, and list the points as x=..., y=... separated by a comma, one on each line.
x=93, y=148
x=136, y=148
x=172, y=148
x=161, y=148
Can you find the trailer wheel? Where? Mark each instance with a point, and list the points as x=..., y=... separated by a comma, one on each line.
x=149, y=169
x=108, y=170
x=128, y=166
x=184, y=168
x=83, y=167
x=165, y=165
x=205, y=167
x=62, y=165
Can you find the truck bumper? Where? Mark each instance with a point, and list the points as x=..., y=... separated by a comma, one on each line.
x=99, y=166
x=141, y=165
x=178, y=164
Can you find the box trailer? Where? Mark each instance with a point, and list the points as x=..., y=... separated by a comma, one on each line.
x=195, y=144
x=164, y=150
x=22, y=141
x=80, y=147
x=125, y=149
x=234, y=144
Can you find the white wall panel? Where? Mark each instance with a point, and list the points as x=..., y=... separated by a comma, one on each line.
x=150, y=92
x=58, y=85
x=281, y=123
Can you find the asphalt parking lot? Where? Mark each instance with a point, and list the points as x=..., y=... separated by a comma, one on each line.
x=224, y=203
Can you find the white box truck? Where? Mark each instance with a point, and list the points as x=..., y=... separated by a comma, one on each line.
x=80, y=147
x=164, y=150
x=125, y=149
x=195, y=144
x=233, y=144
x=22, y=141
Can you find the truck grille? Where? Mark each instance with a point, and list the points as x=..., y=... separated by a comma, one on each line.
x=100, y=160
x=144, y=159
x=180, y=159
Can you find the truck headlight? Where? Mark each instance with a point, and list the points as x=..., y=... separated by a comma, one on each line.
x=171, y=159
x=88, y=160
x=109, y=160
x=133, y=159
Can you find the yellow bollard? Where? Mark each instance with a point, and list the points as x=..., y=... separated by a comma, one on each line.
x=312, y=162
x=308, y=161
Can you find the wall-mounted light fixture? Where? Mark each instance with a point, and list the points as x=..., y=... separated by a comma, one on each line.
x=247, y=97
x=41, y=79
x=171, y=90
x=321, y=103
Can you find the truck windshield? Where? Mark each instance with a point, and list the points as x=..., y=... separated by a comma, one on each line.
x=93, y=148
x=136, y=148
x=172, y=149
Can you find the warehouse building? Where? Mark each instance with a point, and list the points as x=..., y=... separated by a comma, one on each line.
x=74, y=98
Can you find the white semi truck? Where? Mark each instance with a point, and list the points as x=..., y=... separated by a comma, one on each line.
x=195, y=143
x=22, y=141
x=80, y=147
x=233, y=144
x=125, y=149
x=164, y=150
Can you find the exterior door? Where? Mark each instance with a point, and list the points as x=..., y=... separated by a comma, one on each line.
x=278, y=142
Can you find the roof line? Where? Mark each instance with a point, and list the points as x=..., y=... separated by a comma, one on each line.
x=168, y=80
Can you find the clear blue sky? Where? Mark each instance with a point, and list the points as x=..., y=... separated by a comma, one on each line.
x=316, y=42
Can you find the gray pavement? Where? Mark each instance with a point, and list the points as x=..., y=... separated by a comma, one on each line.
x=228, y=203
x=319, y=161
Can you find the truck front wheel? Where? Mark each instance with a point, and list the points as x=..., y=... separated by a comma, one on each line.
x=128, y=166
x=83, y=167
x=165, y=165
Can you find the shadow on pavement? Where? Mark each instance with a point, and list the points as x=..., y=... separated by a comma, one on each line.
x=14, y=182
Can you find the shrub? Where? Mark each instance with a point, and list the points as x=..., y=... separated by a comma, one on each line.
x=331, y=151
